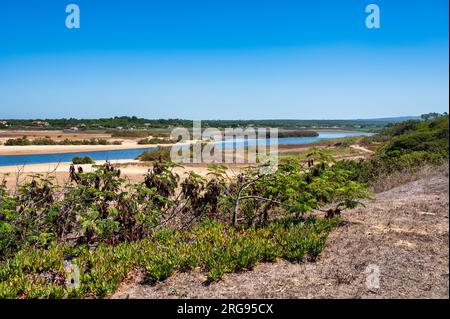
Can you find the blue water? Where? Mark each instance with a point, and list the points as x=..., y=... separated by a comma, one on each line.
x=296, y=140
x=6, y=160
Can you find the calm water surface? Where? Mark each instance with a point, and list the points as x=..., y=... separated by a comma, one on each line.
x=6, y=160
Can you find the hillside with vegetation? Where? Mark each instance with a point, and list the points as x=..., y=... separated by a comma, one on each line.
x=403, y=148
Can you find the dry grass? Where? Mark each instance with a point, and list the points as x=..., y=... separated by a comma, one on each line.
x=384, y=183
x=404, y=232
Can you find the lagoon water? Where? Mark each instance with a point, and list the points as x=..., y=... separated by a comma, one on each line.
x=7, y=160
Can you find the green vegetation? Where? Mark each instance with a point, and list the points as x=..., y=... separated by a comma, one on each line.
x=347, y=141
x=335, y=151
x=214, y=247
x=405, y=146
x=155, y=140
x=137, y=124
x=295, y=134
x=108, y=227
x=82, y=160
x=23, y=141
x=102, y=207
x=159, y=154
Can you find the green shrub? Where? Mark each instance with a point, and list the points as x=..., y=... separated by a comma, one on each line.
x=160, y=154
x=145, y=141
x=293, y=133
x=82, y=160
x=22, y=141
x=214, y=247
x=43, y=141
x=232, y=224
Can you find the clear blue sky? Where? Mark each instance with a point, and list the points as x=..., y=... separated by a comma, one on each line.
x=223, y=59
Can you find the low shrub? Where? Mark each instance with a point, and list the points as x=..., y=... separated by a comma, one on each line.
x=24, y=141
x=154, y=141
x=216, y=248
x=160, y=154
x=82, y=160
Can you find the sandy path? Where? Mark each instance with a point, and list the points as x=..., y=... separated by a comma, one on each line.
x=405, y=233
x=361, y=148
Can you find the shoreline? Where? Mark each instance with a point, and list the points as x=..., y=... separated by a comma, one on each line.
x=126, y=144
x=57, y=149
x=56, y=167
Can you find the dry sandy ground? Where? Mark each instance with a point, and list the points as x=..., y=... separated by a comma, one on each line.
x=60, y=171
x=404, y=233
x=132, y=170
x=61, y=135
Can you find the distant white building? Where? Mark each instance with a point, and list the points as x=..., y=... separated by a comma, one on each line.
x=41, y=123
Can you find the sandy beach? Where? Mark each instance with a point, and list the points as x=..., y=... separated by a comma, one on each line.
x=57, y=135
x=132, y=170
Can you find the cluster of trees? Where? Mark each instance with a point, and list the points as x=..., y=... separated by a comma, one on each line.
x=294, y=133
x=78, y=160
x=155, y=140
x=23, y=141
x=127, y=122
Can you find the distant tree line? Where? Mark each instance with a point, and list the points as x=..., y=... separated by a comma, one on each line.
x=24, y=141
x=133, y=122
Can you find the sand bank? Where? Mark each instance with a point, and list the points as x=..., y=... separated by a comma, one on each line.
x=52, y=149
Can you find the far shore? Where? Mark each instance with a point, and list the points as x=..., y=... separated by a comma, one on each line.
x=53, y=149
x=126, y=144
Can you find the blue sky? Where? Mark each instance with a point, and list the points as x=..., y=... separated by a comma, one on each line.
x=223, y=59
